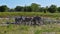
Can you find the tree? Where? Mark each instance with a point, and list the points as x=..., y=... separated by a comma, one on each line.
x=27, y=9
x=18, y=8
x=3, y=8
x=52, y=8
x=46, y=8
x=58, y=9
x=35, y=7
x=11, y=10
x=43, y=9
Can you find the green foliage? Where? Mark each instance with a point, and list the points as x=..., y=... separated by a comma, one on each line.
x=35, y=7
x=52, y=9
x=27, y=9
x=31, y=8
x=18, y=8
x=58, y=9
x=3, y=8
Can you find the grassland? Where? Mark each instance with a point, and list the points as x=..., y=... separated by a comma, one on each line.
x=5, y=14
x=23, y=29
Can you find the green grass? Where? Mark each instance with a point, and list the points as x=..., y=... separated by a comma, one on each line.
x=23, y=29
x=4, y=14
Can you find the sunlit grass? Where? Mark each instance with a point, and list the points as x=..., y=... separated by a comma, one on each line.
x=23, y=29
x=5, y=14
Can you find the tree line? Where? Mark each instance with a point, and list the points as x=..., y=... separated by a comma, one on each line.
x=32, y=8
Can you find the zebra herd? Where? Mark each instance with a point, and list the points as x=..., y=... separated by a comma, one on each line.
x=35, y=20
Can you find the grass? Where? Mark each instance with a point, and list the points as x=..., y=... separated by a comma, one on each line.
x=4, y=20
x=5, y=14
x=37, y=32
x=23, y=29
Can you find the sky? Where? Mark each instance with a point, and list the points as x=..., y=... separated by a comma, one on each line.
x=14, y=3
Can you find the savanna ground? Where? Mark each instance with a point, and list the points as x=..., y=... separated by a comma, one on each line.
x=23, y=29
